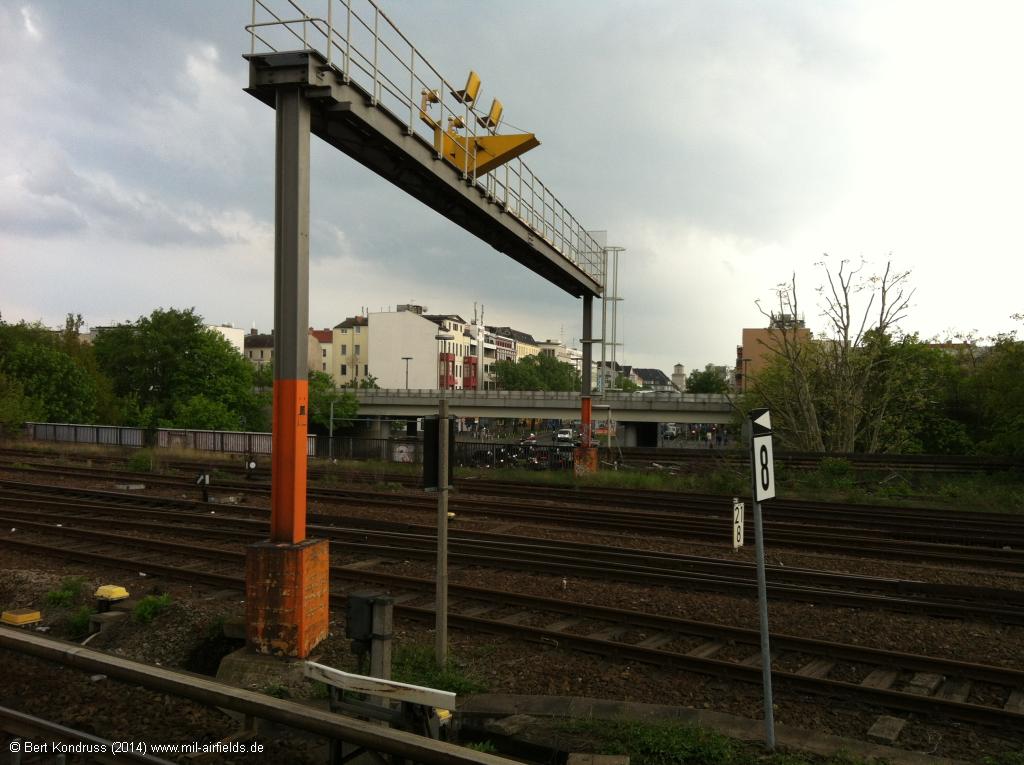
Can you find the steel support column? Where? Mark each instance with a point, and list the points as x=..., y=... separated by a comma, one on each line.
x=291, y=318
x=587, y=340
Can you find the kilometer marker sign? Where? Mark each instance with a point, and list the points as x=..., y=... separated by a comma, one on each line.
x=763, y=463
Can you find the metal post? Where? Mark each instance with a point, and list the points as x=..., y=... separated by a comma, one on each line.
x=330, y=30
x=588, y=355
x=348, y=39
x=615, y=305
x=604, y=325
x=380, y=643
x=291, y=319
x=441, y=606
x=407, y=359
x=762, y=602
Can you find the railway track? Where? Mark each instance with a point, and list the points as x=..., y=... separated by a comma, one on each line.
x=701, y=458
x=65, y=511
x=989, y=541
x=979, y=694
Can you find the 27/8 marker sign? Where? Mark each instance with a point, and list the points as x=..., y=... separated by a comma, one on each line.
x=764, y=467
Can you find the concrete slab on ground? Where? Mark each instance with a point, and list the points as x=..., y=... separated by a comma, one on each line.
x=481, y=708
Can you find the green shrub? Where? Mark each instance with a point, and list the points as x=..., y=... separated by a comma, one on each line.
x=141, y=461
x=77, y=624
x=148, y=608
x=486, y=747
x=68, y=593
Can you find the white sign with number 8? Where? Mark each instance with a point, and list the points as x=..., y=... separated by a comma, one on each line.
x=764, y=468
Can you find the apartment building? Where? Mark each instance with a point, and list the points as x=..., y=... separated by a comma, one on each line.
x=351, y=351
x=259, y=349
x=756, y=350
x=408, y=354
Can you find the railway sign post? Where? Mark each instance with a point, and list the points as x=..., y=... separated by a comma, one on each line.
x=762, y=482
x=737, y=523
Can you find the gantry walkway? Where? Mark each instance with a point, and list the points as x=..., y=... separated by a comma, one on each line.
x=369, y=89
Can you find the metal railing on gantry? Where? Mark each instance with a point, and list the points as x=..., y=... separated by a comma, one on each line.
x=360, y=41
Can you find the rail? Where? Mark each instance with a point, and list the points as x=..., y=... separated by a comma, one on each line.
x=212, y=693
x=366, y=47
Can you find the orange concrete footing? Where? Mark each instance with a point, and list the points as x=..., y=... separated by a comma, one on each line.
x=584, y=460
x=286, y=596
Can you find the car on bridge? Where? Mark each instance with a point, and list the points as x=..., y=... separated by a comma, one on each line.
x=565, y=435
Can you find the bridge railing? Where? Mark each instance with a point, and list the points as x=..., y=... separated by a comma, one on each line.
x=613, y=397
x=359, y=40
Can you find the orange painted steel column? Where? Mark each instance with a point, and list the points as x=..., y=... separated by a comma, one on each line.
x=585, y=420
x=291, y=319
x=288, y=461
x=587, y=341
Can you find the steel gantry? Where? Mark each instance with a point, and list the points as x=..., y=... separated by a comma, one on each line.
x=353, y=79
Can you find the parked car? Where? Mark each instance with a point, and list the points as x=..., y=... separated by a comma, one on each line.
x=565, y=435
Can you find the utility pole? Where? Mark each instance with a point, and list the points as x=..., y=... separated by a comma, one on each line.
x=441, y=603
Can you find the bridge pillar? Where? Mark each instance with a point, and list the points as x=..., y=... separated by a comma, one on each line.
x=287, y=576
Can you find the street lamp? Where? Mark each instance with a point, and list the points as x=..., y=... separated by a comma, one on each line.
x=407, y=359
x=441, y=337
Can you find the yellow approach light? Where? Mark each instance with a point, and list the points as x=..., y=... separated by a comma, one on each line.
x=493, y=116
x=469, y=93
x=485, y=152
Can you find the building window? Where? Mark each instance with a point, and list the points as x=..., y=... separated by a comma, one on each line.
x=344, y=350
x=366, y=369
x=344, y=331
x=261, y=354
x=344, y=370
x=324, y=365
x=323, y=352
x=357, y=330
x=357, y=350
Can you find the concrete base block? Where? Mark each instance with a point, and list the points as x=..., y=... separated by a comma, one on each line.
x=286, y=591
x=886, y=729
x=104, y=621
x=253, y=671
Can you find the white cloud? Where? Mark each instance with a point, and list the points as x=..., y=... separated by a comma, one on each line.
x=27, y=17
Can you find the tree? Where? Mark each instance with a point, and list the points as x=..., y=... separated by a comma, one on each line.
x=322, y=393
x=996, y=394
x=625, y=384
x=52, y=385
x=168, y=358
x=843, y=391
x=536, y=372
x=706, y=380
x=15, y=407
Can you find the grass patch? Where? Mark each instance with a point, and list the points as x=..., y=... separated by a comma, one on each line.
x=276, y=690
x=415, y=664
x=142, y=461
x=483, y=746
x=149, y=607
x=667, y=743
x=1010, y=758
x=68, y=593
x=835, y=479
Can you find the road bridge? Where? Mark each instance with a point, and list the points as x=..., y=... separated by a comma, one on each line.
x=710, y=408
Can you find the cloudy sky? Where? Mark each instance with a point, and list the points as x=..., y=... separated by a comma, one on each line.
x=725, y=145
